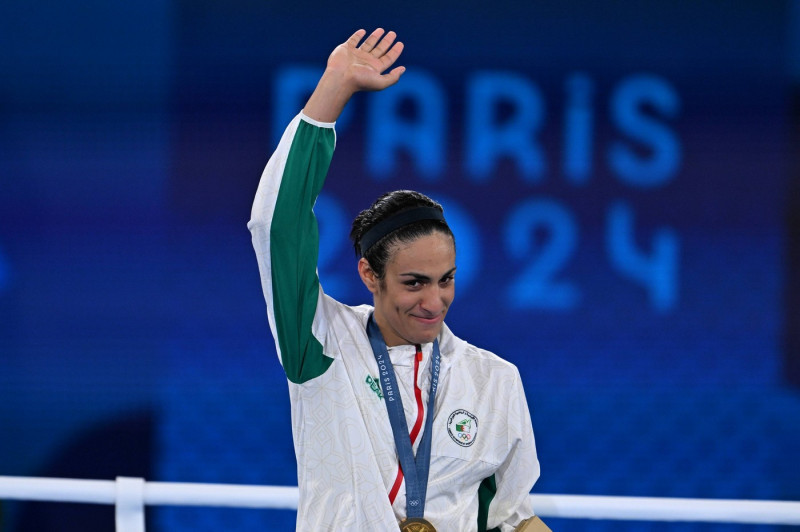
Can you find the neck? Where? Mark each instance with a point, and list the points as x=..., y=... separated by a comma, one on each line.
x=389, y=336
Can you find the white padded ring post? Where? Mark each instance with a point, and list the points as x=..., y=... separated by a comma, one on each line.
x=130, y=504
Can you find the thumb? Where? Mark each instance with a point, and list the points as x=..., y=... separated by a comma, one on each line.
x=394, y=75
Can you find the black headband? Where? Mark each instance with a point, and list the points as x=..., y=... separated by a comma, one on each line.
x=393, y=223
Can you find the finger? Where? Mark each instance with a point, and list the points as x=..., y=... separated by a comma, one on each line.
x=397, y=72
x=372, y=40
x=391, y=56
x=356, y=38
x=384, y=44
x=392, y=77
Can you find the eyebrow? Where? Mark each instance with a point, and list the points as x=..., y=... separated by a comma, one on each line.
x=422, y=277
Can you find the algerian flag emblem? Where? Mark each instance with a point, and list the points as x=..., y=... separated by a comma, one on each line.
x=462, y=426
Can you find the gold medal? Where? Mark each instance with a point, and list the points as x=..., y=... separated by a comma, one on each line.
x=416, y=524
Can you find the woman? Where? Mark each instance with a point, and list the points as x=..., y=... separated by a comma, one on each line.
x=395, y=419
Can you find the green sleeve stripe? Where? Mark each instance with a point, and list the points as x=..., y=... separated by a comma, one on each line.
x=294, y=248
x=486, y=493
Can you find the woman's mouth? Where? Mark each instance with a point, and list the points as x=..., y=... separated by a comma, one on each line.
x=428, y=320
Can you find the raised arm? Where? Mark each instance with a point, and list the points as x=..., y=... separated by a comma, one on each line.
x=284, y=229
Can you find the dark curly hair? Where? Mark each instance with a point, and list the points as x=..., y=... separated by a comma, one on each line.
x=382, y=208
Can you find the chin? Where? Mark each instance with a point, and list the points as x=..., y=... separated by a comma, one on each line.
x=427, y=337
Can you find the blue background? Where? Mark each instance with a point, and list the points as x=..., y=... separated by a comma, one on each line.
x=622, y=182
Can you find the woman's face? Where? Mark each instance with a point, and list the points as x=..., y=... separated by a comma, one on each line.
x=412, y=299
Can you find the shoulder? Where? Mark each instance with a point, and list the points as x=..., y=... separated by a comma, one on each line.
x=340, y=324
x=474, y=359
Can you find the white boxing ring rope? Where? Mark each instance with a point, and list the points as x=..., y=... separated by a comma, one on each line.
x=131, y=495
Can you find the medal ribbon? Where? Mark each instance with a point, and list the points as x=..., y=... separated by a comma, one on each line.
x=416, y=468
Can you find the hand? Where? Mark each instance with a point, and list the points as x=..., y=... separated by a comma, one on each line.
x=362, y=67
x=352, y=68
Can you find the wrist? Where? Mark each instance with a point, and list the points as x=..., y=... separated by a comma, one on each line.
x=332, y=93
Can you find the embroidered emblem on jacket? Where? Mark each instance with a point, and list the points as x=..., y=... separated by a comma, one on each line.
x=462, y=426
x=374, y=386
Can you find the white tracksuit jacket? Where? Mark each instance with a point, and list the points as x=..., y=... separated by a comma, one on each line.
x=483, y=457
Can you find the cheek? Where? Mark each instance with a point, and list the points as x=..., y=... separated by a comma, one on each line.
x=449, y=292
x=450, y=296
x=403, y=301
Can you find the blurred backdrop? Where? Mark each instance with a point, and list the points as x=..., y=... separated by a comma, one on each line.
x=622, y=179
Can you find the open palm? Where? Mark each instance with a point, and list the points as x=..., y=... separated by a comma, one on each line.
x=363, y=65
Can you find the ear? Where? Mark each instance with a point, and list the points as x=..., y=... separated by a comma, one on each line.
x=368, y=276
